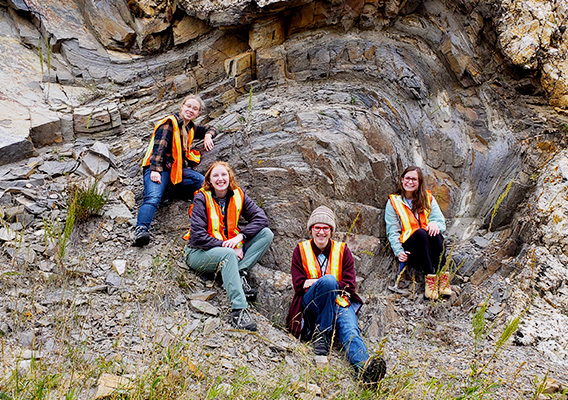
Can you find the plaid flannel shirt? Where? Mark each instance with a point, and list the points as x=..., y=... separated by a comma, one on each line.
x=162, y=158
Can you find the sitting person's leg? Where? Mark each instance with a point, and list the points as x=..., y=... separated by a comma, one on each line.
x=153, y=193
x=320, y=299
x=225, y=259
x=192, y=181
x=350, y=337
x=319, y=302
x=368, y=369
x=419, y=247
x=255, y=248
x=437, y=253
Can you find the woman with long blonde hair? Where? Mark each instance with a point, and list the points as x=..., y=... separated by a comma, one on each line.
x=169, y=161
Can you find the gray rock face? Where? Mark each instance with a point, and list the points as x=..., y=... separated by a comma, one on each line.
x=45, y=128
x=14, y=129
x=325, y=106
x=99, y=119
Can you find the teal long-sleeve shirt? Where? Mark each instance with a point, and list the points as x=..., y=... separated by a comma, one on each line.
x=394, y=227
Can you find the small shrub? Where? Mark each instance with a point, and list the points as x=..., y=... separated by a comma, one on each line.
x=85, y=202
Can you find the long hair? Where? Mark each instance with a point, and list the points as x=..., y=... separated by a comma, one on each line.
x=233, y=185
x=420, y=196
x=184, y=128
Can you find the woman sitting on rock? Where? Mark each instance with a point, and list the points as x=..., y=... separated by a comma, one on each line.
x=170, y=160
x=414, y=224
x=216, y=242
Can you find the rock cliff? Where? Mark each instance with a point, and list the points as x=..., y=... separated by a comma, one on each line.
x=317, y=102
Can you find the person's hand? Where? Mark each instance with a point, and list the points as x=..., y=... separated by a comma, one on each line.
x=309, y=282
x=208, y=142
x=403, y=256
x=234, y=242
x=240, y=253
x=156, y=177
x=433, y=229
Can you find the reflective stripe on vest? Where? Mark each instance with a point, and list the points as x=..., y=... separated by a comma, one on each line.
x=408, y=221
x=215, y=223
x=334, y=264
x=176, y=173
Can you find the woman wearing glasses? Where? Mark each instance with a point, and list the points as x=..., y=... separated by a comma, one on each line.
x=414, y=225
x=169, y=160
x=325, y=300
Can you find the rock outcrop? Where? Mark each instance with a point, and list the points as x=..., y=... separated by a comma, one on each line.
x=321, y=102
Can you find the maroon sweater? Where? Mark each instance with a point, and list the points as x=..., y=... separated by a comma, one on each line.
x=299, y=276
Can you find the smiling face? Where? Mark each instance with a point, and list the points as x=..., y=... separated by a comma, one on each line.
x=219, y=179
x=410, y=183
x=321, y=233
x=190, y=110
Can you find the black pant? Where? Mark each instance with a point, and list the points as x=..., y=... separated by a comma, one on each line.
x=426, y=252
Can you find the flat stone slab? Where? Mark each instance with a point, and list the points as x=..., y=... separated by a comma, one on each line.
x=202, y=296
x=7, y=234
x=204, y=307
x=15, y=127
x=120, y=213
x=119, y=266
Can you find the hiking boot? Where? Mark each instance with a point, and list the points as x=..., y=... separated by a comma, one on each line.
x=444, y=282
x=250, y=292
x=141, y=236
x=241, y=319
x=374, y=370
x=431, y=287
x=320, y=343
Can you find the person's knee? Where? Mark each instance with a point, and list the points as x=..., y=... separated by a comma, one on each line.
x=328, y=282
x=152, y=196
x=422, y=234
x=152, y=200
x=227, y=254
x=267, y=234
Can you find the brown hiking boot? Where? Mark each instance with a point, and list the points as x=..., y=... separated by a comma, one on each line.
x=431, y=287
x=444, y=282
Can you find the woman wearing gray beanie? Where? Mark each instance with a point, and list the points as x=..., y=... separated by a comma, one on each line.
x=325, y=300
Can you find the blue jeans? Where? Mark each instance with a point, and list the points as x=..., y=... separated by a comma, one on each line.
x=153, y=192
x=320, y=300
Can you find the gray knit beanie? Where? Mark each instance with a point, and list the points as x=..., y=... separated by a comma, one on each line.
x=322, y=215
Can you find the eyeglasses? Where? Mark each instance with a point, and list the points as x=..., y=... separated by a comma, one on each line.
x=410, y=179
x=325, y=229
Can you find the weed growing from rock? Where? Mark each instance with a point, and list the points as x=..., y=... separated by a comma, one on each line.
x=85, y=202
x=498, y=203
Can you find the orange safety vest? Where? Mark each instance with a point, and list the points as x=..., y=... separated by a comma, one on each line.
x=176, y=173
x=215, y=222
x=334, y=264
x=408, y=220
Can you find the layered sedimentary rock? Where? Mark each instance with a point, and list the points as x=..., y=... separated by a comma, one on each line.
x=319, y=102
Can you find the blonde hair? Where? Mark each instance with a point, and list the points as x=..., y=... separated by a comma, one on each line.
x=194, y=97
